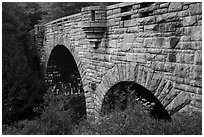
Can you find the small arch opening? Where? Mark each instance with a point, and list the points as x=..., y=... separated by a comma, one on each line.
x=122, y=94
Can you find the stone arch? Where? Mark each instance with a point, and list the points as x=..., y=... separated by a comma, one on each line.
x=159, y=84
x=125, y=92
x=62, y=73
x=62, y=62
x=64, y=40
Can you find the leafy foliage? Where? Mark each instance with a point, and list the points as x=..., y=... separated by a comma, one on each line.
x=136, y=121
x=58, y=116
x=22, y=89
x=57, y=10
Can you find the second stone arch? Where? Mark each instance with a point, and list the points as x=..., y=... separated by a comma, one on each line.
x=156, y=88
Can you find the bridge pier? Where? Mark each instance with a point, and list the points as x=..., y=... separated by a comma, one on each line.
x=91, y=106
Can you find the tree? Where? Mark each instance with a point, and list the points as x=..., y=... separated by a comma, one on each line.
x=21, y=87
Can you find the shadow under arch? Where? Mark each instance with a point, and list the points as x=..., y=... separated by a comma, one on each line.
x=125, y=92
x=62, y=73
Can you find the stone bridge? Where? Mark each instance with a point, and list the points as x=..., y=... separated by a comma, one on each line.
x=156, y=45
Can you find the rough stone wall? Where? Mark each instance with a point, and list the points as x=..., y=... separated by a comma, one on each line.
x=157, y=45
x=163, y=37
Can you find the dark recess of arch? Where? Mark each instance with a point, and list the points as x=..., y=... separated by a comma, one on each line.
x=62, y=67
x=62, y=72
x=122, y=93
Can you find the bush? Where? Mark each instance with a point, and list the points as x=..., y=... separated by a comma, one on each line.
x=54, y=118
x=136, y=121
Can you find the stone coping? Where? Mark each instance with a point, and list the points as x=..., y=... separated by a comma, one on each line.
x=121, y=5
x=93, y=8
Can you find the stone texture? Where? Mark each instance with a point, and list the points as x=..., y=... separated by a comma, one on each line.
x=198, y=58
x=196, y=72
x=156, y=79
x=166, y=90
x=170, y=96
x=189, y=21
x=195, y=8
x=175, y=6
x=173, y=42
x=162, y=46
x=181, y=100
x=161, y=87
x=196, y=33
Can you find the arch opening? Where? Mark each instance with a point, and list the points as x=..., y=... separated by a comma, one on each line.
x=63, y=75
x=122, y=94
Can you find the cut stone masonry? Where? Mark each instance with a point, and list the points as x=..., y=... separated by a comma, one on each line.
x=157, y=45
